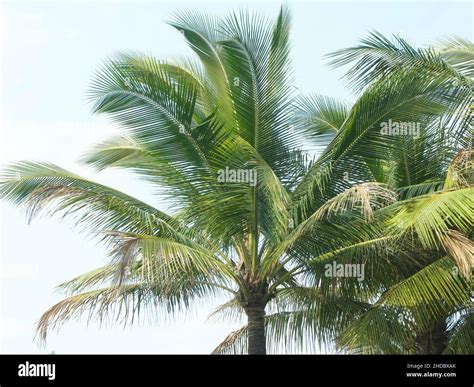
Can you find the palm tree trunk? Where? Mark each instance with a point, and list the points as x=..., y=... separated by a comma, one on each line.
x=256, y=330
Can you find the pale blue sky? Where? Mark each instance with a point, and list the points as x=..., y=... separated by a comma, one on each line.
x=47, y=55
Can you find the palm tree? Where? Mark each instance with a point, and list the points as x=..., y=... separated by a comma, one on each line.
x=418, y=298
x=253, y=215
x=438, y=162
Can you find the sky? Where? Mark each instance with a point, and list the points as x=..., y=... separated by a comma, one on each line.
x=48, y=54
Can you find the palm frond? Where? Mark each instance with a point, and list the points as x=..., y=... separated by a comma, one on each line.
x=461, y=334
x=43, y=187
x=320, y=118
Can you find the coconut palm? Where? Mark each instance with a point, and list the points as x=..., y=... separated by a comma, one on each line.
x=408, y=309
x=439, y=160
x=252, y=214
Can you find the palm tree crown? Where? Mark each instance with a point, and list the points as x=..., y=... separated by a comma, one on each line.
x=256, y=217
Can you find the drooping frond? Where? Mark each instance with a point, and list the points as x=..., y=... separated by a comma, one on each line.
x=429, y=294
x=459, y=53
x=432, y=216
x=125, y=304
x=46, y=188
